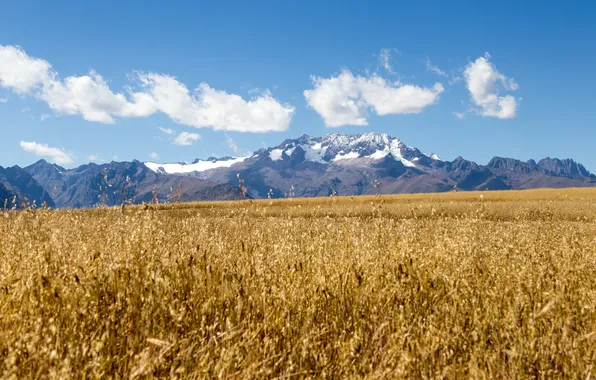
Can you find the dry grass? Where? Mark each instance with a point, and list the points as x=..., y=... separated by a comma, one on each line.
x=418, y=286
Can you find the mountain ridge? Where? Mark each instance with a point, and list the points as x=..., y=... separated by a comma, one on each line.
x=342, y=164
x=110, y=184
x=372, y=162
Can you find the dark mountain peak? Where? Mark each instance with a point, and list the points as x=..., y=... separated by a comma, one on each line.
x=459, y=167
x=16, y=171
x=511, y=164
x=45, y=170
x=550, y=161
x=497, y=161
x=44, y=164
x=84, y=167
x=304, y=139
x=462, y=163
x=566, y=167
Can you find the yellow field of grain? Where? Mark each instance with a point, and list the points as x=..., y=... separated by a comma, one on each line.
x=458, y=285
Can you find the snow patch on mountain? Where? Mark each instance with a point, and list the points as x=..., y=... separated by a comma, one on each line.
x=394, y=149
x=199, y=166
x=275, y=154
x=347, y=156
x=314, y=153
x=290, y=150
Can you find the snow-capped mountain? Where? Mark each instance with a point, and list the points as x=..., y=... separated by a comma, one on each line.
x=338, y=147
x=370, y=162
x=331, y=149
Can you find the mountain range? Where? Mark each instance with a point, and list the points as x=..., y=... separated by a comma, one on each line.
x=341, y=164
x=369, y=163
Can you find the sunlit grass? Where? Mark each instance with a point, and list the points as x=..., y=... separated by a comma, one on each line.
x=416, y=286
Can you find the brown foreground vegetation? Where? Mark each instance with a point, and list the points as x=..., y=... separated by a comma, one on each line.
x=459, y=285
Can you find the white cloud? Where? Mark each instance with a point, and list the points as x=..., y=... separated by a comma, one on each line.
x=167, y=131
x=56, y=155
x=459, y=115
x=345, y=98
x=3, y=100
x=186, y=138
x=44, y=116
x=484, y=82
x=232, y=144
x=183, y=138
x=207, y=107
x=20, y=72
x=384, y=60
x=95, y=158
x=435, y=69
x=154, y=156
x=91, y=97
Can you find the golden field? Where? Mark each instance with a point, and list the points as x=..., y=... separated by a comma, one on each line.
x=458, y=285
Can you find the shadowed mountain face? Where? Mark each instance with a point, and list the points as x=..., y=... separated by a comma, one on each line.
x=5, y=195
x=369, y=163
x=566, y=167
x=15, y=181
x=91, y=185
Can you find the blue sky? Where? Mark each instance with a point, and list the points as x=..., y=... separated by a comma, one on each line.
x=531, y=97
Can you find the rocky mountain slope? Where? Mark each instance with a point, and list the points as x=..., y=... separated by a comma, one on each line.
x=91, y=184
x=369, y=163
